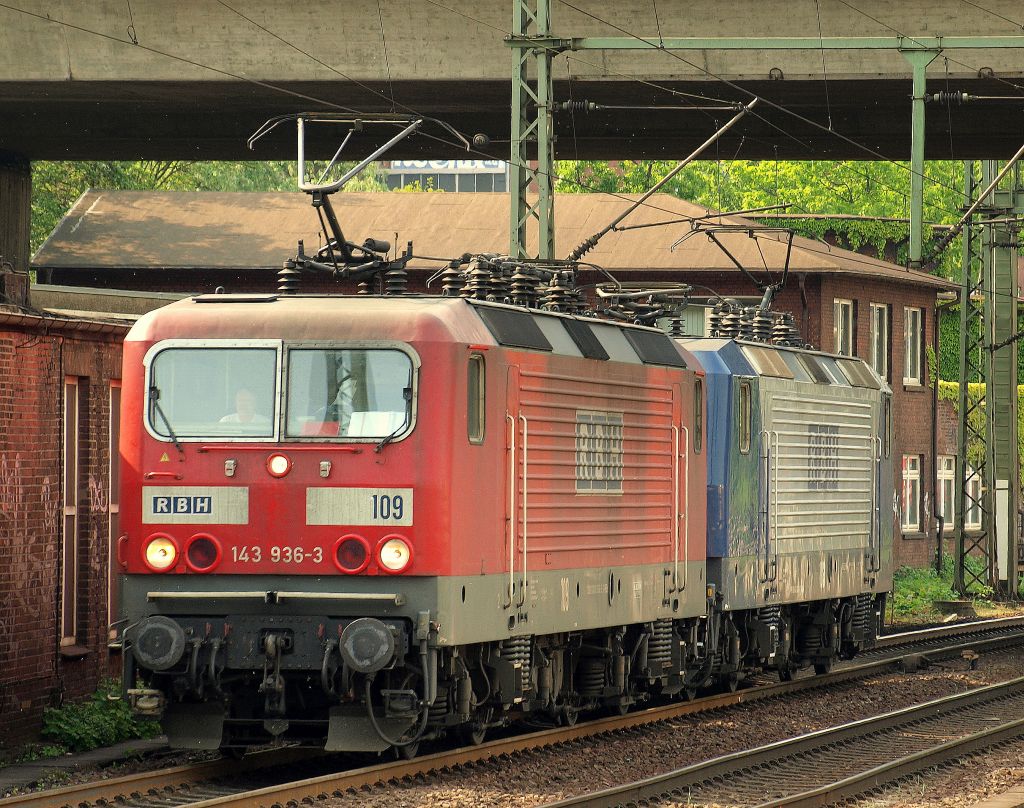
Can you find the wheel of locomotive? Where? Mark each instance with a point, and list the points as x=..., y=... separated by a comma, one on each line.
x=786, y=673
x=472, y=733
x=732, y=681
x=821, y=668
x=619, y=708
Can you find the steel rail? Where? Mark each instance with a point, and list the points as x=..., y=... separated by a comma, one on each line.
x=152, y=781
x=682, y=781
x=181, y=777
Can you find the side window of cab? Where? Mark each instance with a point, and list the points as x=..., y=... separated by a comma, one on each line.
x=476, y=399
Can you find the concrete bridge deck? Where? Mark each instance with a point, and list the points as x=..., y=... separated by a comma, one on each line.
x=205, y=74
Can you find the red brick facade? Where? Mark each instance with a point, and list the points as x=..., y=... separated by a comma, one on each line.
x=37, y=670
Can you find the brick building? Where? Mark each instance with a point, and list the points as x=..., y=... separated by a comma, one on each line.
x=175, y=242
x=59, y=415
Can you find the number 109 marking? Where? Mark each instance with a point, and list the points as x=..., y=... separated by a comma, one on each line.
x=388, y=507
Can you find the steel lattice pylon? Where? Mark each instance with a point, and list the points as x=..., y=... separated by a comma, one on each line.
x=974, y=367
x=532, y=126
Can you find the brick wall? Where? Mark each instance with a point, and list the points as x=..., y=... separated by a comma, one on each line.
x=34, y=670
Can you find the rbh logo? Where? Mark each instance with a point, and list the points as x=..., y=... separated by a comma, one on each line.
x=170, y=505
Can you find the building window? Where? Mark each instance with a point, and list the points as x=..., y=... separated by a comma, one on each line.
x=913, y=337
x=973, y=502
x=842, y=327
x=113, y=504
x=881, y=338
x=911, y=521
x=945, y=476
x=69, y=539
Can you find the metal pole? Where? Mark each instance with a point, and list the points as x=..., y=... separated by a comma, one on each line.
x=919, y=61
x=1003, y=380
x=531, y=124
x=974, y=476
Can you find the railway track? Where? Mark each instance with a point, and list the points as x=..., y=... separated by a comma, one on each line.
x=269, y=778
x=842, y=762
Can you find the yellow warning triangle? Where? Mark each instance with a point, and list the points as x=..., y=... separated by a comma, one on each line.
x=164, y=458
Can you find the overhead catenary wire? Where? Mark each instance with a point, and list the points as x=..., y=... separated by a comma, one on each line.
x=591, y=242
x=577, y=182
x=304, y=96
x=803, y=118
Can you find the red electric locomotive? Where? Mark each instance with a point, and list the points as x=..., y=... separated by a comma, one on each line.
x=359, y=522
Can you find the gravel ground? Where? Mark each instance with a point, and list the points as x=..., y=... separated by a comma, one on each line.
x=545, y=776
x=956, y=786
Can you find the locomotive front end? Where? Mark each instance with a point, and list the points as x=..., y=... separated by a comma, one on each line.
x=276, y=583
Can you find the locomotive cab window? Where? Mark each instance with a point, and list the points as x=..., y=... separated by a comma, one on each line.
x=213, y=392
x=743, y=413
x=349, y=393
x=698, y=415
x=476, y=386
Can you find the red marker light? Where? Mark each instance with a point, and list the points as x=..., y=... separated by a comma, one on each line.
x=351, y=554
x=202, y=552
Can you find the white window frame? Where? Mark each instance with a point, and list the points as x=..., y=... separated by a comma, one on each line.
x=945, y=488
x=911, y=494
x=842, y=327
x=880, y=315
x=973, y=518
x=913, y=342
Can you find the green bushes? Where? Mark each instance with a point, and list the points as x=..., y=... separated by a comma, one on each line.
x=98, y=721
x=916, y=589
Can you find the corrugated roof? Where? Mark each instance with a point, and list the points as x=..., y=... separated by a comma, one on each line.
x=212, y=230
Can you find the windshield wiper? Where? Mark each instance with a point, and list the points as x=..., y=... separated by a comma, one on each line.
x=154, y=396
x=407, y=395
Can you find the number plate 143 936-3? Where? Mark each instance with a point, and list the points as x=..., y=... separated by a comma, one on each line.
x=359, y=506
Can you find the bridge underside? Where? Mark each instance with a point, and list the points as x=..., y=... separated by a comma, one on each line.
x=76, y=120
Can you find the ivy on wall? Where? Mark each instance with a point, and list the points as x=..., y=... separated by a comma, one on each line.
x=949, y=344
x=950, y=391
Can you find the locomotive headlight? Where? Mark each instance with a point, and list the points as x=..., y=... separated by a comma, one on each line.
x=394, y=554
x=278, y=465
x=161, y=552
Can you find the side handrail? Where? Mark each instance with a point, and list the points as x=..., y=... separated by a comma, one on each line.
x=775, y=502
x=686, y=508
x=512, y=530
x=526, y=477
x=765, y=501
x=675, y=507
